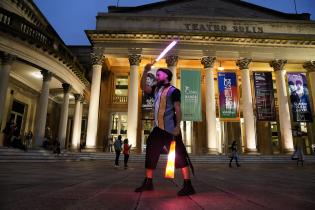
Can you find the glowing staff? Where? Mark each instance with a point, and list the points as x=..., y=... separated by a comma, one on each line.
x=170, y=167
x=168, y=48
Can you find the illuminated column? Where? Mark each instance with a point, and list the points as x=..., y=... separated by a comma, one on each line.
x=208, y=62
x=63, y=120
x=284, y=113
x=76, y=120
x=6, y=64
x=171, y=62
x=42, y=109
x=310, y=67
x=132, y=120
x=247, y=101
x=80, y=119
x=97, y=61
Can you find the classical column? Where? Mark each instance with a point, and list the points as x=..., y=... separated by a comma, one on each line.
x=310, y=67
x=42, y=109
x=284, y=113
x=132, y=120
x=171, y=62
x=80, y=119
x=247, y=101
x=76, y=120
x=211, y=115
x=63, y=120
x=6, y=64
x=97, y=61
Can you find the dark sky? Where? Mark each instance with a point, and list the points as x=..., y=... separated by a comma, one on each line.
x=71, y=17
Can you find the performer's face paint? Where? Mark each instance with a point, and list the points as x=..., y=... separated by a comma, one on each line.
x=162, y=78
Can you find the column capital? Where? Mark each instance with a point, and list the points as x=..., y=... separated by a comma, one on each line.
x=97, y=56
x=309, y=66
x=243, y=63
x=278, y=64
x=7, y=59
x=66, y=87
x=77, y=97
x=134, y=59
x=82, y=99
x=208, y=61
x=47, y=75
x=171, y=60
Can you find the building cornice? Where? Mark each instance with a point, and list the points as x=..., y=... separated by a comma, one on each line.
x=266, y=40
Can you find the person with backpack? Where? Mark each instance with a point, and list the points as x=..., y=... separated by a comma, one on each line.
x=117, y=147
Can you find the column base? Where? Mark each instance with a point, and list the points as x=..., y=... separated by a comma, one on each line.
x=136, y=150
x=288, y=151
x=212, y=151
x=90, y=149
x=249, y=151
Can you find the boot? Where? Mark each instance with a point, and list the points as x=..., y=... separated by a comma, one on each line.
x=187, y=189
x=147, y=185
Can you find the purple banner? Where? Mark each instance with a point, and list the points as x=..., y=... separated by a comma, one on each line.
x=228, y=98
x=265, y=103
x=299, y=97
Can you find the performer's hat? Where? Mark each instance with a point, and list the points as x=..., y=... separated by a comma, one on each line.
x=166, y=71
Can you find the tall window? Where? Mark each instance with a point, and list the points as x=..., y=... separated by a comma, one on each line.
x=118, y=123
x=121, y=86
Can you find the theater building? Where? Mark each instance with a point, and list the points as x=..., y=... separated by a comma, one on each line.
x=264, y=56
x=240, y=37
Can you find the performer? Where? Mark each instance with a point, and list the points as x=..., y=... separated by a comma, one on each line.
x=167, y=117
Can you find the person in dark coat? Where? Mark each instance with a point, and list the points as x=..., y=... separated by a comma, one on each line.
x=234, y=154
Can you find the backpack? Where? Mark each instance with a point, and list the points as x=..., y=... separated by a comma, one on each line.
x=117, y=145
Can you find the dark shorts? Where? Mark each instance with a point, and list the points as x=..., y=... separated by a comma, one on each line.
x=159, y=138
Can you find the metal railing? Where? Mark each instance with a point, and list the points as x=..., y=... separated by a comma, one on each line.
x=120, y=99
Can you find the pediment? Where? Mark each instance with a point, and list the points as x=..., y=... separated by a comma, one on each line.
x=208, y=8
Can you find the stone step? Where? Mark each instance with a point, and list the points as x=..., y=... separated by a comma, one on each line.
x=40, y=155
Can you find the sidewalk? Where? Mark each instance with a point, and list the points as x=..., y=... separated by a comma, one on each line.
x=98, y=185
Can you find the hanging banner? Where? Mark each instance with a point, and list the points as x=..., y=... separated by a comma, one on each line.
x=299, y=97
x=228, y=95
x=265, y=102
x=190, y=94
x=148, y=100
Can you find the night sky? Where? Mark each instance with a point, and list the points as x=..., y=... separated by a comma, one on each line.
x=71, y=17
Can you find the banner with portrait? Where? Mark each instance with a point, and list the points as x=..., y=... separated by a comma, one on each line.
x=148, y=100
x=265, y=102
x=191, y=94
x=299, y=97
x=228, y=95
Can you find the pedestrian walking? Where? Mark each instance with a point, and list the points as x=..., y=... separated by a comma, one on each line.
x=234, y=154
x=28, y=140
x=298, y=155
x=126, y=152
x=117, y=147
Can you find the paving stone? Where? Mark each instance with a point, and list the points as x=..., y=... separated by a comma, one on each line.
x=98, y=185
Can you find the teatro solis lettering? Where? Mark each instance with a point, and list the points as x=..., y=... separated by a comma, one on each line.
x=222, y=28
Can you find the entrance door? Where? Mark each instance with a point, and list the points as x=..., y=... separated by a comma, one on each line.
x=17, y=115
x=231, y=132
x=147, y=123
x=275, y=138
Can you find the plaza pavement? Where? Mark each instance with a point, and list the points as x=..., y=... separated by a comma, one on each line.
x=98, y=185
